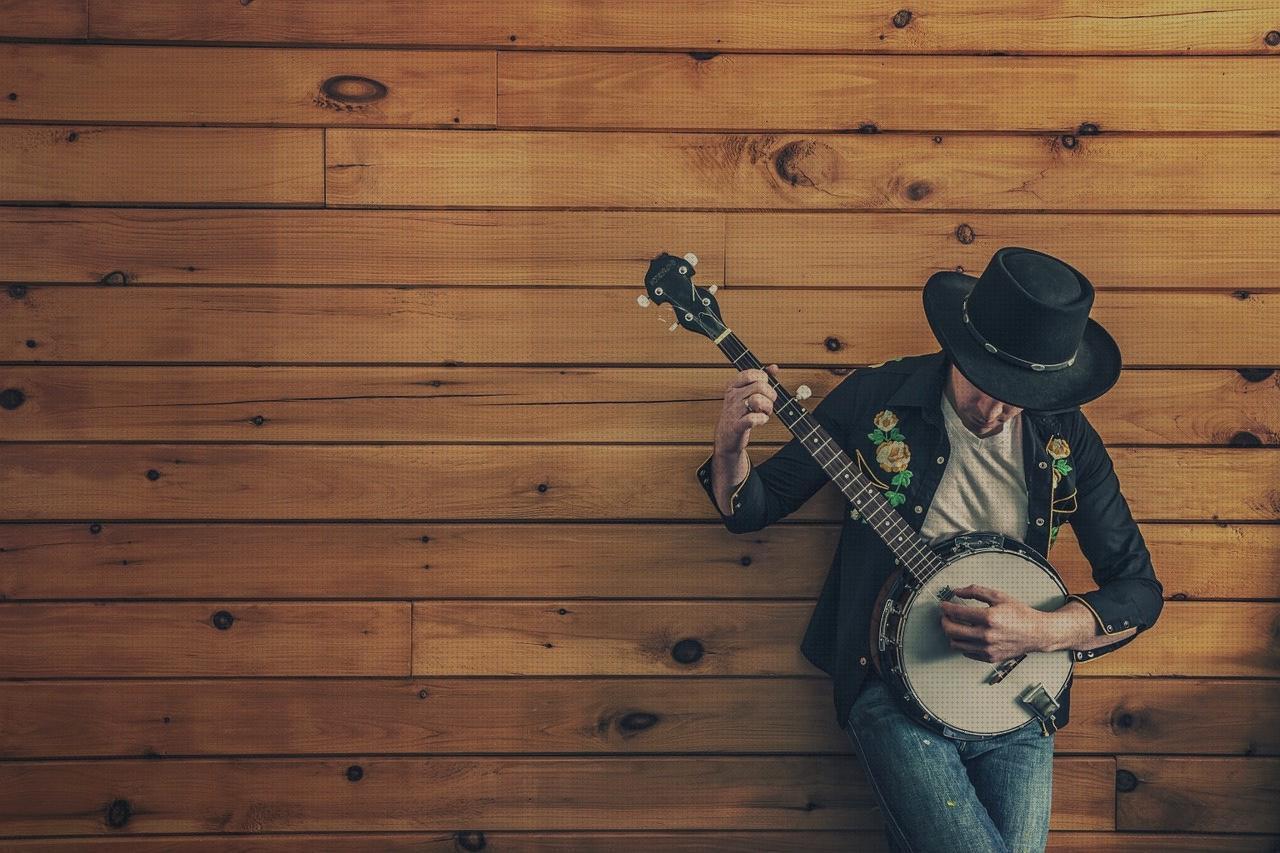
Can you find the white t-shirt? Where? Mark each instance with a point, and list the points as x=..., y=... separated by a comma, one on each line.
x=982, y=486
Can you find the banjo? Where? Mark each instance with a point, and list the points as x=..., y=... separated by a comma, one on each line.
x=936, y=685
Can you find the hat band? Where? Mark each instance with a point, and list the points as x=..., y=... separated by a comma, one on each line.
x=1008, y=356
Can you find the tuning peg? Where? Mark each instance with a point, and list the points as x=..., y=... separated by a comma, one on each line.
x=803, y=393
x=712, y=289
x=674, y=326
x=691, y=258
x=643, y=301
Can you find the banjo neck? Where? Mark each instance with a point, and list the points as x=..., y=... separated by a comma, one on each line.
x=911, y=549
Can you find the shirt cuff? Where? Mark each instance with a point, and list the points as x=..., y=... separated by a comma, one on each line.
x=735, y=501
x=1111, y=618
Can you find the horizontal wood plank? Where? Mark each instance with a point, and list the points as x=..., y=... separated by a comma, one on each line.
x=1151, y=26
x=611, y=248
x=44, y=19
x=1198, y=794
x=624, y=169
x=699, y=638
x=398, y=794
x=680, y=91
x=148, y=165
x=209, y=638
x=276, y=86
x=524, y=327
x=454, y=482
x=466, y=404
x=140, y=718
x=494, y=560
x=759, y=841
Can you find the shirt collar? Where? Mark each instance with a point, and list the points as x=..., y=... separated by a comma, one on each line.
x=923, y=388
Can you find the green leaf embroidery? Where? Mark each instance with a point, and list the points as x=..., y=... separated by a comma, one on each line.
x=876, y=437
x=894, y=435
x=899, y=480
x=895, y=498
x=1061, y=466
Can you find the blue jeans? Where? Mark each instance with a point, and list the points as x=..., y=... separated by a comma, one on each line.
x=945, y=794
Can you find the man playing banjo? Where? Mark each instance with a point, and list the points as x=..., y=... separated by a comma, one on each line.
x=985, y=435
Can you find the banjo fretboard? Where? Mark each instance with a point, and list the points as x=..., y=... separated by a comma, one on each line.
x=907, y=545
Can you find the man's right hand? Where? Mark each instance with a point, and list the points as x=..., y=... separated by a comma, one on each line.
x=750, y=387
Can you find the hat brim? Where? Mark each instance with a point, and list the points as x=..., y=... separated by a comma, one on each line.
x=1096, y=368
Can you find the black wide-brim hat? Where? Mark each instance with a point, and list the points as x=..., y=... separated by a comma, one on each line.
x=1021, y=331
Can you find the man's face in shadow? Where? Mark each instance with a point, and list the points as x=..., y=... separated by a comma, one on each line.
x=981, y=413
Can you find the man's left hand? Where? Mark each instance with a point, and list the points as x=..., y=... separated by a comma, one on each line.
x=1005, y=629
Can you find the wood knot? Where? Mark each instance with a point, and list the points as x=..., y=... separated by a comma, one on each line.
x=1242, y=295
x=964, y=233
x=1068, y=141
x=1245, y=439
x=1255, y=374
x=704, y=55
x=1125, y=781
x=118, y=813
x=1181, y=596
x=355, y=773
x=95, y=528
x=833, y=344
x=153, y=474
x=423, y=694
x=353, y=89
x=637, y=721
x=687, y=651
x=1122, y=720
x=223, y=620
x=1087, y=129
x=902, y=18
x=868, y=127
x=745, y=559
x=17, y=291
x=1272, y=37
x=11, y=398
x=115, y=278
x=805, y=163
x=919, y=190
x=542, y=487
x=470, y=840
x=258, y=420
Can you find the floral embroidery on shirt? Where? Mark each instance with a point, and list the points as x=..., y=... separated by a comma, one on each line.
x=892, y=453
x=1059, y=449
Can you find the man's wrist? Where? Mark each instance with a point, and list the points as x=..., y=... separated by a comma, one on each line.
x=1069, y=627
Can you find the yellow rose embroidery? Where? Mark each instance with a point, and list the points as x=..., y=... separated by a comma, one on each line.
x=893, y=456
x=1058, y=447
x=892, y=453
x=886, y=420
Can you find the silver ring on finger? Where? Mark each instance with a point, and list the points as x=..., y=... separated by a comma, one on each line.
x=748, y=403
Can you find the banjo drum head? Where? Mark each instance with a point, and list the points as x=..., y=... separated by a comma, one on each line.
x=953, y=688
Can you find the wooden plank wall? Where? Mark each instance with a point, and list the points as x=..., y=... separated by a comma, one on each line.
x=348, y=497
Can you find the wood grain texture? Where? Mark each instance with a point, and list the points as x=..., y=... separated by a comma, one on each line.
x=271, y=86
x=495, y=560
x=1199, y=794
x=766, y=171
x=735, y=638
x=612, y=248
x=593, y=716
x=151, y=165
x=569, y=326
x=535, y=482
x=756, y=841
x=932, y=93
x=444, y=794
x=44, y=19
x=1150, y=26
x=207, y=638
x=474, y=404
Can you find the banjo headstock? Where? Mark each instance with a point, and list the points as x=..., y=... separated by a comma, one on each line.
x=669, y=281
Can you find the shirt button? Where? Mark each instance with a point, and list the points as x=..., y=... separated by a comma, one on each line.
x=941, y=459
x=1039, y=522
x=1090, y=654
x=862, y=661
x=1108, y=627
x=1044, y=465
x=1126, y=623
x=919, y=509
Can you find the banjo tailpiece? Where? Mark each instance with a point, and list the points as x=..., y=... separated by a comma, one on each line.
x=1038, y=700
